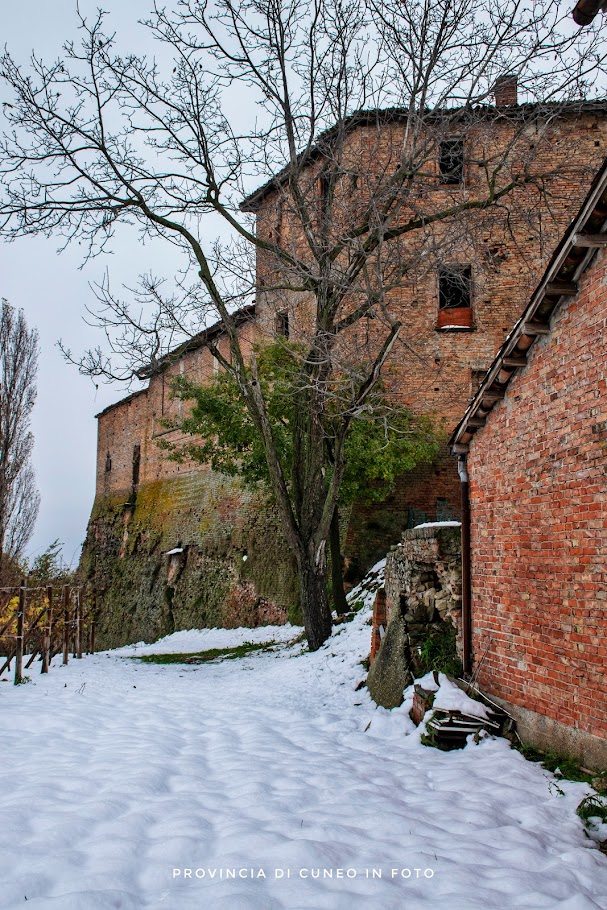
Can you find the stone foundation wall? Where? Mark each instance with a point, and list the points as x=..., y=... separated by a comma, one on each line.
x=231, y=566
x=424, y=579
x=423, y=593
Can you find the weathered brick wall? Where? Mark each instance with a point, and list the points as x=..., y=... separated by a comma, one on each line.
x=141, y=419
x=431, y=492
x=234, y=568
x=431, y=370
x=436, y=371
x=538, y=474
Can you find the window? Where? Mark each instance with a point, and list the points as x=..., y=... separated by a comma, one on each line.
x=451, y=161
x=325, y=190
x=108, y=463
x=278, y=226
x=454, y=285
x=282, y=324
x=136, y=464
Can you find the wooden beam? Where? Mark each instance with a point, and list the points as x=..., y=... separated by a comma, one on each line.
x=21, y=609
x=476, y=422
x=561, y=288
x=493, y=396
x=514, y=361
x=590, y=240
x=535, y=328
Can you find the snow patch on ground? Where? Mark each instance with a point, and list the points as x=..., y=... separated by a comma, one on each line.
x=118, y=776
x=204, y=639
x=364, y=593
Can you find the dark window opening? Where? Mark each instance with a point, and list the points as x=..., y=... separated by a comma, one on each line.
x=325, y=187
x=278, y=226
x=415, y=517
x=454, y=287
x=444, y=512
x=108, y=463
x=136, y=464
x=451, y=161
x=282, y=324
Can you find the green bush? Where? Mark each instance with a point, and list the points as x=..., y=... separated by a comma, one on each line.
x=439, y=652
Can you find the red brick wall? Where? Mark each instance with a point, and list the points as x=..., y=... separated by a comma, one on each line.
x=139, y=420
x=538, y=475
x=433, y=371
x=429, y=370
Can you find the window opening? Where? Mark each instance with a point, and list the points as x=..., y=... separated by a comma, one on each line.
x=454, y=287
x=451, y=161
x=136, y=464
x=325, y=184
x=282, y=324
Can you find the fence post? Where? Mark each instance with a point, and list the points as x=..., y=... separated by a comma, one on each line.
x=92, y=629
x=20, y=618
x=46, y=651
x=66, y=623
x=78, y=641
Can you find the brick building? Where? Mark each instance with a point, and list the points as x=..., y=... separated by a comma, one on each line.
x=466, y=284
x=535, y=442
x=467, y=279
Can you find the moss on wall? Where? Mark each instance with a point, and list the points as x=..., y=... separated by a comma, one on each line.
x=233, y=567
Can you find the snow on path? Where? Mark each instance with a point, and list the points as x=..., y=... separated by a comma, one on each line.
x=117, y=773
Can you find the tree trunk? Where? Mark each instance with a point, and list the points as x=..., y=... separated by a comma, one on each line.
x=314, y=601
x=337, y=577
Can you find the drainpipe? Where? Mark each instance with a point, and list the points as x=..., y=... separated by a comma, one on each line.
x=466, y=585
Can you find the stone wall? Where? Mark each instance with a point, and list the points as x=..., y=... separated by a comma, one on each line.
x=423, y=592
x=423, y=577
x=231, y=567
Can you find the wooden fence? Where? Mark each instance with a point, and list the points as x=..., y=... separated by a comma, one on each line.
x=42, y=622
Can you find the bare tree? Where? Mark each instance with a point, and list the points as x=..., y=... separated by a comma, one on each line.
x=348, y=107
x=19, y=498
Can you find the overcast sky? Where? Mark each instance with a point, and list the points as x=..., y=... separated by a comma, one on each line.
x=53, y=290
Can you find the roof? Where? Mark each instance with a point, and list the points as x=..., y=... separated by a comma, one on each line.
x=396, y=114
x=573, y=256
x=245, y=314
x=126, y=400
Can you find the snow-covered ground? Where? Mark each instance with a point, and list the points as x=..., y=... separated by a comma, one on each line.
x=131, y=785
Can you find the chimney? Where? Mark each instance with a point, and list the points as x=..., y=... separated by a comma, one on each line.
x=505, y=90
x=585, y=11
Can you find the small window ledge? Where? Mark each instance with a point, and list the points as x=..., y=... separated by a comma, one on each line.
x=455, y=319
x=461, y=329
